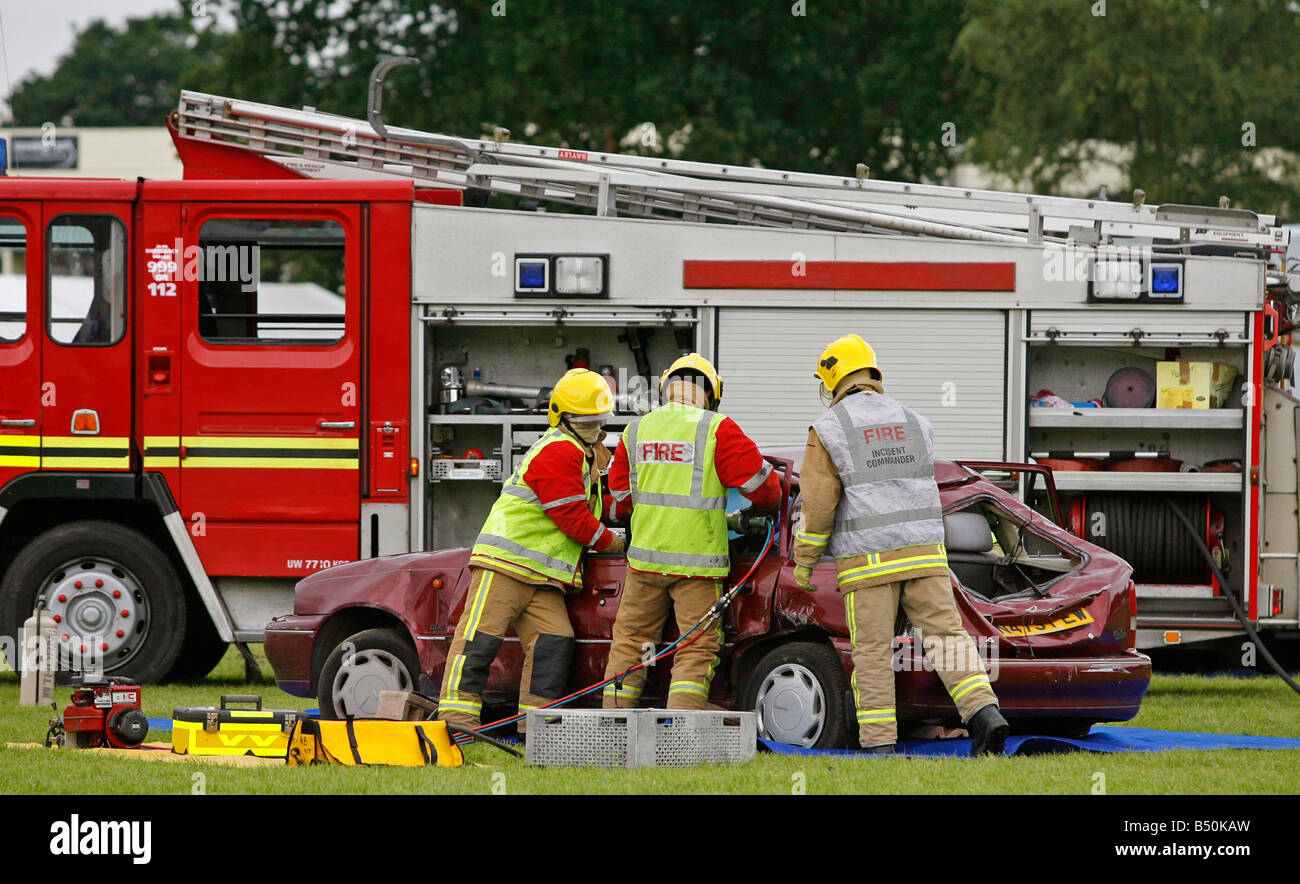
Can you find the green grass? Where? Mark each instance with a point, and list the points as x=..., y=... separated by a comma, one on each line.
x=1261, y=706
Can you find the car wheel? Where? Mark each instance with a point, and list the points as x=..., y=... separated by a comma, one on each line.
x=113, y=591
x=363, y=665
x=797, y=692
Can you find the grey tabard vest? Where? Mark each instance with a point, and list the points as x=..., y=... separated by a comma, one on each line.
x=884, y=452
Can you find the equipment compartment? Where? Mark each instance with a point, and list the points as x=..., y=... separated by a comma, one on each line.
x=487, y=382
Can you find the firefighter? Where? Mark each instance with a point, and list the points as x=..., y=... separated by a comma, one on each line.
x=529, y=554
x=676, y=464
x=869, y=494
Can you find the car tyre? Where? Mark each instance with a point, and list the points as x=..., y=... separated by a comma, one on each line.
x=361, y=666
x=798, y=692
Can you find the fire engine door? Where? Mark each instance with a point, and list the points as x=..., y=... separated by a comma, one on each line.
x=86, y=342
x=21, y=327
x=270, y=367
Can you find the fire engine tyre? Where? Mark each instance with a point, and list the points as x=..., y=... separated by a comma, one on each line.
x=202, y=649
x=797, y=691
x=376, y=660
x=107, y=583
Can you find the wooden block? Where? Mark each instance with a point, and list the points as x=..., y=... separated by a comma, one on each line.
x=404, y=706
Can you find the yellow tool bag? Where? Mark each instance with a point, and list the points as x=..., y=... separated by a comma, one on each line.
x=373, y=741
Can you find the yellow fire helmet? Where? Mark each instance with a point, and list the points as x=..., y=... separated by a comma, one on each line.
x=695, y=364
x=841, y=358
x=582, y=393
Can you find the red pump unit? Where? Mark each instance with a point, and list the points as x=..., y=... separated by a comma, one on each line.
x=104, y=713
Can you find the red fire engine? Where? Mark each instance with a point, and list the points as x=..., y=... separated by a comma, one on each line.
x=330, y=341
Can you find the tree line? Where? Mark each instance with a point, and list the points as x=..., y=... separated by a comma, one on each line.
x=1191, y=99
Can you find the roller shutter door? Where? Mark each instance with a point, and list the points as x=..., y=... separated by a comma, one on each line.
x=950, y=365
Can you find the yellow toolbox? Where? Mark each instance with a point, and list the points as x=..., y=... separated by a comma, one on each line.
x=209, y=730
x=1194, y=384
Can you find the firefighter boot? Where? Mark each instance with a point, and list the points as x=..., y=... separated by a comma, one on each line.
x=884, y=749
x=988, y=731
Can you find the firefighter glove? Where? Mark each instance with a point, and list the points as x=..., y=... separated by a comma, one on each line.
x=803, y=577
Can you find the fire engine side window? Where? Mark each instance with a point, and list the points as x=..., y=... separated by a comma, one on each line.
x=87, y=279
x=271, y=281
x=13, y=279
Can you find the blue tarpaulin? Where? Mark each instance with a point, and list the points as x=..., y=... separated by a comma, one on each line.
x=1101, y=738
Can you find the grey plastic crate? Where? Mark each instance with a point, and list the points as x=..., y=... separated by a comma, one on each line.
x=639, y=737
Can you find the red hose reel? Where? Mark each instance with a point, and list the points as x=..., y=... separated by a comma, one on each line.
x=1142, y=530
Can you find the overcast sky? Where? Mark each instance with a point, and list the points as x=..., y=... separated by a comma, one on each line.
x=37, y=32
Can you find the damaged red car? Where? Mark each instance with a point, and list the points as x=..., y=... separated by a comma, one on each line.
x=1051, y=615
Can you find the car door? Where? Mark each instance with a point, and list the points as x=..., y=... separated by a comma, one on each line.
x=592, y=611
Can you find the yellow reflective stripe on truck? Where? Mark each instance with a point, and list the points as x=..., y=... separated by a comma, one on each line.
x=20, y=451
x=162, y=452
x=86, y=452
x=270, y=453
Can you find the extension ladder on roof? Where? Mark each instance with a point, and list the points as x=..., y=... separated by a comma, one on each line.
x=323, y=145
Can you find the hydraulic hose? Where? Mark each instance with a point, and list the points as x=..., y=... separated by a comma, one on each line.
x=697, y=631
x=1237, y=610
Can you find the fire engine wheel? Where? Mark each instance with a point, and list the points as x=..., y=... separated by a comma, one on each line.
x=202, y=649
x=360, y=667
x=112, y=591
x=797, y=691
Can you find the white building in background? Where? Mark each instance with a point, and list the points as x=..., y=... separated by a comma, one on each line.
x=92, y=152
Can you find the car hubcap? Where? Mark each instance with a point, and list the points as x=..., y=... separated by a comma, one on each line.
x=101, y=611
x=358, y=682
x=791, y=706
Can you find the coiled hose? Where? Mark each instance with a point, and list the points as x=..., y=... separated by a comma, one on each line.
x=1138, y=530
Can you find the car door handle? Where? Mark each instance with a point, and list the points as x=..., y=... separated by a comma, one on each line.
x=18, y=422
x=337, y=425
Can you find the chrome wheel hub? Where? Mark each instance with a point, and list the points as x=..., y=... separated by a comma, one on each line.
x=100, y=610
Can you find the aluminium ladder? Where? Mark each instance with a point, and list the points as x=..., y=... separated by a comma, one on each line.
x=322, y=145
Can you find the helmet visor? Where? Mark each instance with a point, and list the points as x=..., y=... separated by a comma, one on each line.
x=825, y=395
x=598, y=420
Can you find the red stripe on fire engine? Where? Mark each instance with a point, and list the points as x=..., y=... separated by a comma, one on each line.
x=867, y=276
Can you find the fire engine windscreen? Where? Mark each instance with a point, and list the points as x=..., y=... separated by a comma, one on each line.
x=269, y=280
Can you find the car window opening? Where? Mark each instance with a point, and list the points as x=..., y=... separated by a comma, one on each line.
x=995, y=555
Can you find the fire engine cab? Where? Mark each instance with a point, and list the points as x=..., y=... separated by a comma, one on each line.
x=334, y=338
